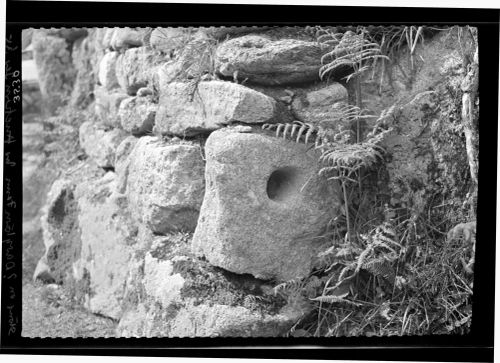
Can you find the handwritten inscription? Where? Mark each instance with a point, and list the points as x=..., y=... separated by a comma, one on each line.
x=12, y=92
x=12, y=102
x=8, y=193
x=9, y=162
x=12, y=320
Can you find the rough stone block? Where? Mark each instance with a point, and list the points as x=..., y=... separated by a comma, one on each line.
x=99, y=144
x=137, y=115
x=135, y=68
x=187, y=110
x=269, y=62
x=123, y=38
x=107, y=71
x=263, y=203
x=165, y=184
x=182, y=296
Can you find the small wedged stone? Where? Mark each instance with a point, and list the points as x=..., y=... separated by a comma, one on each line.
x=165, y=184
x=121, y=162
x=108, y=35
x=107, y=104
x=316, y=106
x=269, y=62
x=264, y=204
x=137, y=115
x=100, y=145
x=186, y=109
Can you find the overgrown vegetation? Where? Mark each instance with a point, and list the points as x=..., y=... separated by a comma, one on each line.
x=389, y=270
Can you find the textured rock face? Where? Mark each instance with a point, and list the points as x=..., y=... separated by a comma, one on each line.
x=107, y=239
x=263, y=203
x=268, y=62
x=56, y=73
x=135, y=69
x=137, y=115
x=227, y=321
x=107, y=104
x=316, y=106
x=60, y=233
x=107, y=71
x=99, y=144
x=178, y=295
x=165, y=184
x=187, y=110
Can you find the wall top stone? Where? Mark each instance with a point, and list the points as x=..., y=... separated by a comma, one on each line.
x=269, y=62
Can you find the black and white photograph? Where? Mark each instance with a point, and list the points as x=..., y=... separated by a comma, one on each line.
x=250, y=181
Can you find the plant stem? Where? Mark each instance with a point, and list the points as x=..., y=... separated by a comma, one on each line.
x=359, y=103
x=346, y=209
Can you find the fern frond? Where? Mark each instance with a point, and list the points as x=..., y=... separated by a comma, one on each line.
x=295, y=129
x=349, y=50
x=335, y=299
x=291, y=285
x=381, y=267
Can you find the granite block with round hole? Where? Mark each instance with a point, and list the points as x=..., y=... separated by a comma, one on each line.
x=264, y=205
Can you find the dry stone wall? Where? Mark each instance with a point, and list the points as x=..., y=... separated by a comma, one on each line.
x=187, y=212
x=252, y=201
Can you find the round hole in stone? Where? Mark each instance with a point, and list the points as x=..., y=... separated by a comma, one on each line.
x=282, y=184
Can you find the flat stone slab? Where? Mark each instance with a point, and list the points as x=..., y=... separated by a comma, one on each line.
x=269, y=62
x=221, y=32
x=108, y=236
x=264, y=203
x=188, y=109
